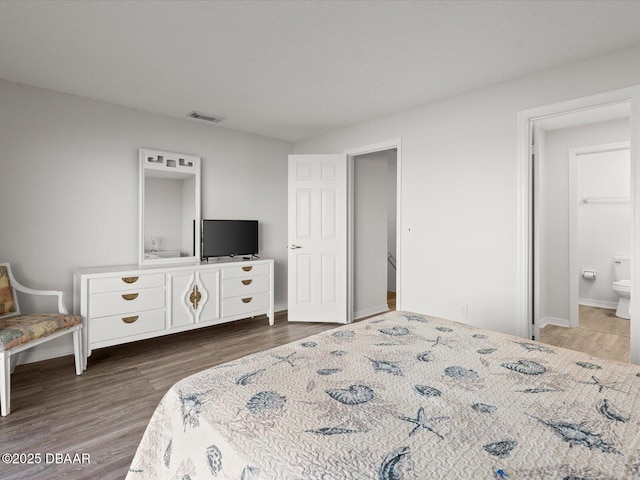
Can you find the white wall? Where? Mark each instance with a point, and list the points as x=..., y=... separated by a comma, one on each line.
x=459, y=186
x=554, y=212
x=604, y=228
x=69, y=183
x=370, y=234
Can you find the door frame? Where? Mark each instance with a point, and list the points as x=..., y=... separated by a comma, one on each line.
x=574, y=238
x=351, y=153
x=525, y=199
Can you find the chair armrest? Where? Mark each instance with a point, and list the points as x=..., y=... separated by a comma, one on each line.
x=32, y=291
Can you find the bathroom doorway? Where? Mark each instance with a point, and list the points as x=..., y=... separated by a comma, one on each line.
x=582, y=220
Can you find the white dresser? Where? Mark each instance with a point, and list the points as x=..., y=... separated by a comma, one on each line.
x=126, y=303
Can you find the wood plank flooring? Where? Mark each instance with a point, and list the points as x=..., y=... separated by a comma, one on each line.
x=104, y=411
x=391, y=300
x=599, y=333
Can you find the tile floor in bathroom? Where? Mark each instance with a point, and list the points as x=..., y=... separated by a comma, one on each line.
x=599, y=333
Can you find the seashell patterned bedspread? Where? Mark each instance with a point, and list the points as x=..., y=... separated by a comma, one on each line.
x=396, y=397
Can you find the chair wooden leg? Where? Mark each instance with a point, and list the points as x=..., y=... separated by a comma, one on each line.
x=5, y=383
x=78, y=351
x=13, y=361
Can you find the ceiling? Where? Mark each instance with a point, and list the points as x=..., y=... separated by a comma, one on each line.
x=295, y=69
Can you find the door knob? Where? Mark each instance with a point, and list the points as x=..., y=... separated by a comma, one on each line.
x=293, y=247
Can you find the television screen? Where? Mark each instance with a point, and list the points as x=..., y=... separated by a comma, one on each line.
x=228, y=238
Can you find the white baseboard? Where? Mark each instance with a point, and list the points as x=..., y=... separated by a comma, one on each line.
x=280, y=308
x=370, y=311
x=560, y=322
x=597, y=303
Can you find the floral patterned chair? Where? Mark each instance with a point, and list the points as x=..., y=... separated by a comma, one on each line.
x=20, y=332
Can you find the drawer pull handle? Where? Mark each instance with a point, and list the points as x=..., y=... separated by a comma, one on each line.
x=130, y=296
x=247, y=282
x=130, y=279
x=247, y=300
x=195, y=297
x=130, y=319
x=247, y=269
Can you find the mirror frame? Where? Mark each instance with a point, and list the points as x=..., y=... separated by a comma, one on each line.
x=168, y=164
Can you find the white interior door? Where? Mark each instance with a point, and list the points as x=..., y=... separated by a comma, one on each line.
x=317, y=275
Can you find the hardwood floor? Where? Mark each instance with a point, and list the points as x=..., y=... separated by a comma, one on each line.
x=599, y=333
x=391, y=300
x=104, y=412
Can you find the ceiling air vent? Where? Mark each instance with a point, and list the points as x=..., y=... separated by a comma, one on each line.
x=204, y=116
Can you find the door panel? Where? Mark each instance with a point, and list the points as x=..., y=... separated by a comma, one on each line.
x=317, y=274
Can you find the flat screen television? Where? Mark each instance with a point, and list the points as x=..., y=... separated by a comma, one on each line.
x=228, y=238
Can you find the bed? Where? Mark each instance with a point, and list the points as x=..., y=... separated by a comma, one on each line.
x=396, y=397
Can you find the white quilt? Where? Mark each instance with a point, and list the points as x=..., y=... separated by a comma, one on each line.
x=400, y=396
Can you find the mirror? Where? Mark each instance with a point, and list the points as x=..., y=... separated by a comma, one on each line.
x=169, y=207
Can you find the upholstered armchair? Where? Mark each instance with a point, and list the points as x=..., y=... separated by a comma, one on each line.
x=19, y=332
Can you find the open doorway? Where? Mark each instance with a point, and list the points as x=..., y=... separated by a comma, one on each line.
x=582, y=223
x=377, y=202
x=322, y=207
x=374, y=207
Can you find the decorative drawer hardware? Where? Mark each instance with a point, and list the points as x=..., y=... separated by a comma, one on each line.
x=245, y=286
x=245, y=305
x=195, y=297
x=245, y=271
x=113, y=329
x=126, y=283
x=125, y=303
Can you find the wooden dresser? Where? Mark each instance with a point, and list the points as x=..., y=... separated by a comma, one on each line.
x=125, y=303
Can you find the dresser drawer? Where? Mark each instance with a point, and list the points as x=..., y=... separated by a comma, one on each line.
x=121, y=326
x=236, y=287
x=133, y=282
x=116, y=303
x=250, y=303
x=245, y=271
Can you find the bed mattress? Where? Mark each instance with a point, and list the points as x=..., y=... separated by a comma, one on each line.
x=396, y=397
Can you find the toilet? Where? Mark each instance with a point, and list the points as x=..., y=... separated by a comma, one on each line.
x=622, y=284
